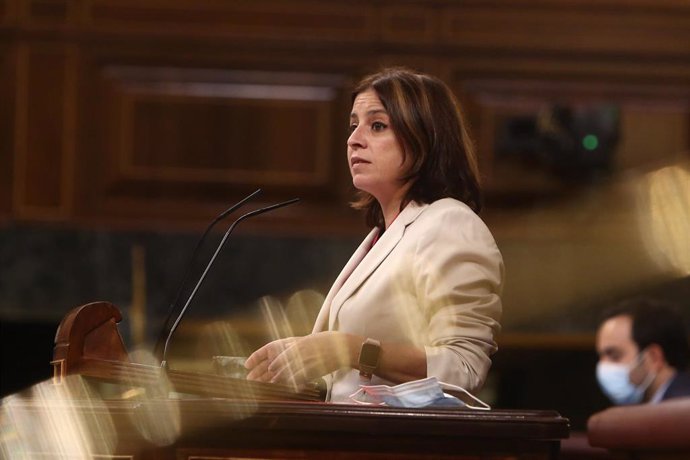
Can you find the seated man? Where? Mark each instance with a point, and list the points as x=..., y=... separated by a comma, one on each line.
x=643, y=353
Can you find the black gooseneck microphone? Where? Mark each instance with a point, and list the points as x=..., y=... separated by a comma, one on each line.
x=185, y=278
x=256, y=212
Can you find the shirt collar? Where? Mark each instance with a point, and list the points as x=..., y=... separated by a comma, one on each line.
x=659, y=394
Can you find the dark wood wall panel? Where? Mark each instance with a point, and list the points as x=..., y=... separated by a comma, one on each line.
x=160, y=112
x=7, y=107
x=190, y=126
x=50, y=11
x=207, y=132
x=495, y=101
x=7, y=10
x=412, y=25
x=44, y=131
x=236, y=141
x=304, y=20
x=567, y=26
x=242, y=132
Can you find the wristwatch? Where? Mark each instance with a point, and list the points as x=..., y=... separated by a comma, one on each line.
x=369, y=357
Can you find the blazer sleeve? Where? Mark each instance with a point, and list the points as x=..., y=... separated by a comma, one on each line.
x=459, y=278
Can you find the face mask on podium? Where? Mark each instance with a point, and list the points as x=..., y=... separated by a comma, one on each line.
x=614, y=380
x=417, y=393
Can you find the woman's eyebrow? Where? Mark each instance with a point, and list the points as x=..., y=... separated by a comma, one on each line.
x=370, y=113
x=376, y=112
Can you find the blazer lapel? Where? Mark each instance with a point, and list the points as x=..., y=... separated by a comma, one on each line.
x=322, y=322
x=367, y=262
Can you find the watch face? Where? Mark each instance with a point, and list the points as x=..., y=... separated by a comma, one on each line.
x=369, y=354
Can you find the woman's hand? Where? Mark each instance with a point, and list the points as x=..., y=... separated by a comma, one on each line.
x=258, y=362
x=299, y=360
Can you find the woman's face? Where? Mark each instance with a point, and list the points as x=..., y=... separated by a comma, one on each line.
x=373, y=152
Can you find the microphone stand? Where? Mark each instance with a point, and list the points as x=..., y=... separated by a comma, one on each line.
x=164, y=363
x=185, y=278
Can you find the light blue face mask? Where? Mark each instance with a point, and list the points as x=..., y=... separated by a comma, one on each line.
x=417, y=393
x=614, y=380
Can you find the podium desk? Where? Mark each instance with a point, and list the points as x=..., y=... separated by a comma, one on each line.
x=237, y=419
x=208, y=428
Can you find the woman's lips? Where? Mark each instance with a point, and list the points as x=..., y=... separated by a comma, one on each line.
x=357, y=160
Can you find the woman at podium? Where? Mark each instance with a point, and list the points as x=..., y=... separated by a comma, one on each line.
x=421, y=295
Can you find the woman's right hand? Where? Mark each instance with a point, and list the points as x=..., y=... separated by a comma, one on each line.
x=258, y=362
x=297, y=361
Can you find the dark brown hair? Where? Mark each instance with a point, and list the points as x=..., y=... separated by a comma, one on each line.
x=426, y=118
x=656, y=321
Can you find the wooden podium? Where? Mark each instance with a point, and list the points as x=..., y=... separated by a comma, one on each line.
x=236, y=419
x=88, y=343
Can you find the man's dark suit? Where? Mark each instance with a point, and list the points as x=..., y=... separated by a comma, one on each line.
x=679, y=387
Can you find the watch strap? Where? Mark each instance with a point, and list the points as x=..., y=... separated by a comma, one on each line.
x=369, y=356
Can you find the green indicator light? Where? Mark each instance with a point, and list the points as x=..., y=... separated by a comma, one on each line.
x=590, y=142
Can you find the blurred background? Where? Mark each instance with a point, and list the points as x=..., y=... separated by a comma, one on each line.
x=127, y=126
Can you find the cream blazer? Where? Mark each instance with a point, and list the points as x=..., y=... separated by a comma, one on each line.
x=433, y=279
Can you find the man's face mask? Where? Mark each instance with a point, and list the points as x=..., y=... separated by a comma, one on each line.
x=417, y=393
x=614, y=380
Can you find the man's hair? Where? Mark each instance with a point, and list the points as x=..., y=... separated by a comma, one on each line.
x=426, y=119
x=655, y=321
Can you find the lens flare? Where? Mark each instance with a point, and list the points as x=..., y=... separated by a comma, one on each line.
x=62, y=421
x=663, y=209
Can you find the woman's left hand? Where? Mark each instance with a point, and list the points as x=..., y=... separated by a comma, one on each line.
x=299, y=360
